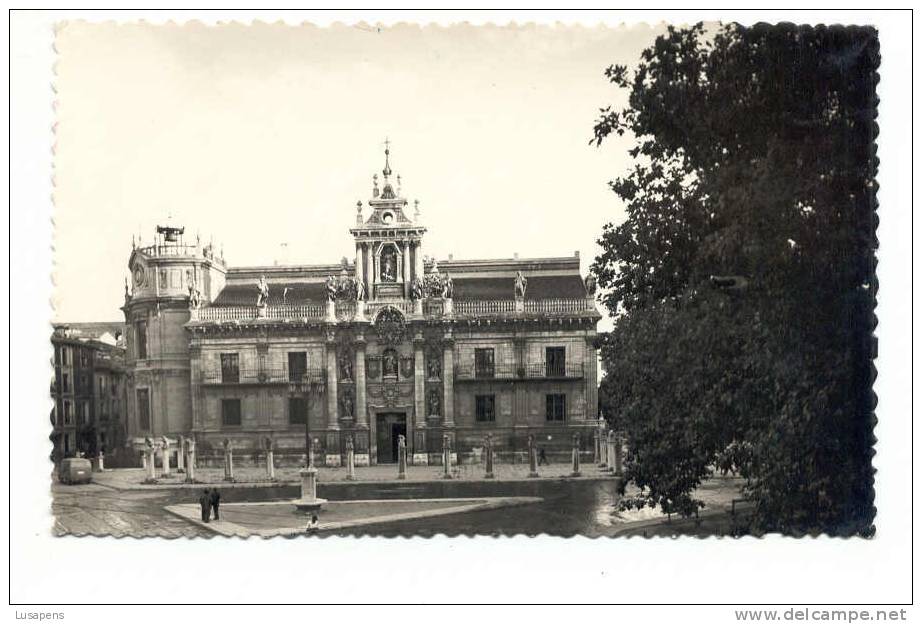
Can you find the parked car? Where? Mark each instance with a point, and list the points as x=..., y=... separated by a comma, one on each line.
x=75, y=470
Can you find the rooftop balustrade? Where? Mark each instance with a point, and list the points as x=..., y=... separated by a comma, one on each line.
x=348, y=309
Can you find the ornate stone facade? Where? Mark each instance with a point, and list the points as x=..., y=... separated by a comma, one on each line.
x=393, y=344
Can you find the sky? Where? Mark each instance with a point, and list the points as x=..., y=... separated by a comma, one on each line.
x=259, y=136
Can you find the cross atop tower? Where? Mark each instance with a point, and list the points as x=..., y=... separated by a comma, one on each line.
x=387, y=155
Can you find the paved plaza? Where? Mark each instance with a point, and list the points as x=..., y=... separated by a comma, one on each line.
x=270, y=519
x=118, y=504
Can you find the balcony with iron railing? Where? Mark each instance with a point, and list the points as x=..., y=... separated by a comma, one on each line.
x=537, y=370
x=265, y=376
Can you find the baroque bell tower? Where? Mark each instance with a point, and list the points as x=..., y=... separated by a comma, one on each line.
x=388, y=244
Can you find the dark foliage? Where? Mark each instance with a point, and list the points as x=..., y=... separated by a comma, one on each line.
x=755, y=159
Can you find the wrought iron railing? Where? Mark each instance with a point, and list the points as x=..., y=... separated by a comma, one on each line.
x=535, y=370
x=497, y=371
x=553, y=370
x=263, y=376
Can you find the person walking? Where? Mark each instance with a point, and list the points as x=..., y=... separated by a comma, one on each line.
x=542, y=457
x=215, y=502
x=204, y=502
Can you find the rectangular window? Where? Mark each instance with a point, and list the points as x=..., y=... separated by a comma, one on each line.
x=297, y=411
x=65, y=383
x=555, y=359
x=81, y=414
x=230, y=412
x=63, y=356
x=556, y=407
x=297, y=366
x=483, y=363
x=67, y=417
x=230, y=368
x=485, y=405
x=141, y=329
x=57, y=355
x=144, y=409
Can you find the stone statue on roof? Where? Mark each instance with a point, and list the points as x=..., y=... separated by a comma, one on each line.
x=331, y=288
x=448, y=287
x=359, y=289
x=521, y=282
x=263, y=287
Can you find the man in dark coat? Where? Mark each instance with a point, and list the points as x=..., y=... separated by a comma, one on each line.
x=215, y=501
x=204, y=502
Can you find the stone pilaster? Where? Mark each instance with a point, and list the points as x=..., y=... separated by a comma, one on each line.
x=369, y=279
x=591, y=376
x=448, y=378
x=332, y=382
x=405, y=268
x=419, y=400
x=419, y=259
x=361, y=412
x=358, y=263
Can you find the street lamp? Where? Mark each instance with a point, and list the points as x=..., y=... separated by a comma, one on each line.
x=309, y=503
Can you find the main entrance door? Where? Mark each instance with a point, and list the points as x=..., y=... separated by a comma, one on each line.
x=389, y=427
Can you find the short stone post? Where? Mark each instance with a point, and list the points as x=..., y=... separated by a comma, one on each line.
x=165, y=456
x=151, y=464
x=350, y=459
x=228, y=461
x=532, y=458
x=100, y=462
x=596, y=453
x=610, y=443
x=181, y=455
x=488, y=456
x=446, y=457
x=270, y=459
x=401, y=457
x=576, y=441
x=144, y=460
x=617, y=454
x=190, y=464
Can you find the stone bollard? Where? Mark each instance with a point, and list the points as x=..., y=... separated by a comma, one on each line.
x=151, y=465
x=488, y=457
x=610, y=446
x=100, y=462
x=181, y=455
x=350, y=459
x=532, y=458
x=446, y=457
x=270, y=464
x=401, y=457
x=144, y=460
x=596, y=453
x=228, y=461
x=165, y=457
x=576, y=441
x=603, y=451
x=190, y=463
x=617, y=444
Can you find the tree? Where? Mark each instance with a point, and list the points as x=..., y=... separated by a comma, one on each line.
x=754, y=159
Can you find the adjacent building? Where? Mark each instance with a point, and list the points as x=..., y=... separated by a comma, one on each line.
x=391, y=343
x=88, y=389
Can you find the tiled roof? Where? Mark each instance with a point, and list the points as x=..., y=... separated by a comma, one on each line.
x=539, y=287
x=298, y=293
